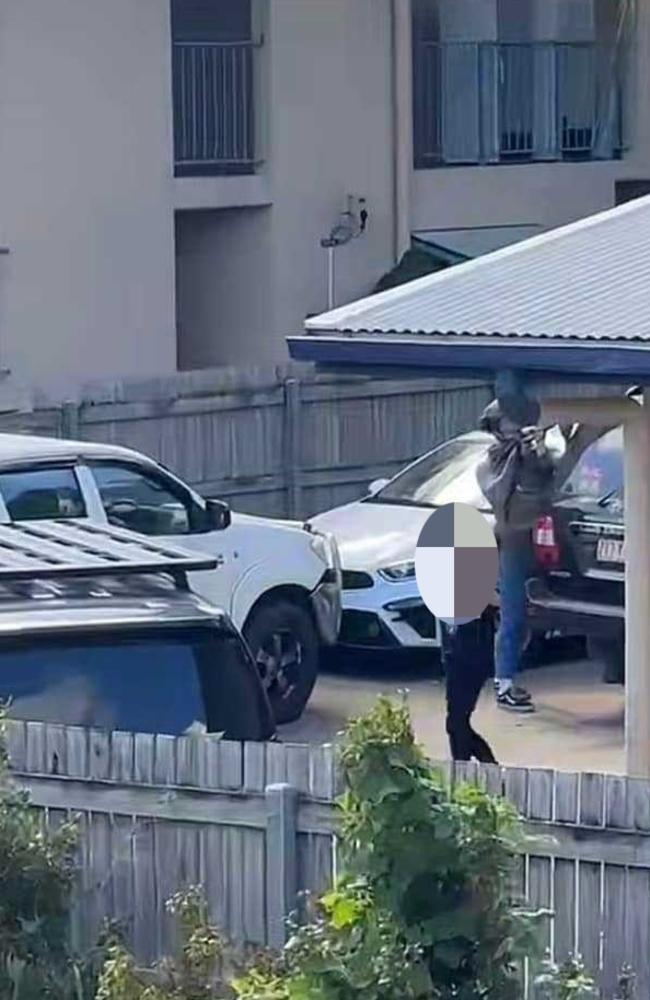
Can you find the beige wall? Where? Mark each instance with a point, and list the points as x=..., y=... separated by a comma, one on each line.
x=327, y=92
x=85, y=189
x=87, y=193
x=547, y=194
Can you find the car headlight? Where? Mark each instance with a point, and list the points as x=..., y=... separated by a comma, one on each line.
x=398, y=571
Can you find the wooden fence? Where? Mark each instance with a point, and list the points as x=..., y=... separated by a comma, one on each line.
x=284, y=442
x=255, y=824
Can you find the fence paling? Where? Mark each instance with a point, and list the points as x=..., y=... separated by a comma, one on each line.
x=278, y=444
x=255, y=823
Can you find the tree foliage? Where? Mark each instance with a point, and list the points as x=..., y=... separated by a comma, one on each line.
x=424, y=909
x=37, y=872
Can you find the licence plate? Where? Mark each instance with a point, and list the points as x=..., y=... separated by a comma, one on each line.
x=610, y=550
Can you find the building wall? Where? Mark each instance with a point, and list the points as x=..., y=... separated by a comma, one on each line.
x=326, y=89
x=85, y=189
x=546, y=194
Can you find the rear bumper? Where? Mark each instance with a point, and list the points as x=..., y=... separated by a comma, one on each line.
x=572, y=616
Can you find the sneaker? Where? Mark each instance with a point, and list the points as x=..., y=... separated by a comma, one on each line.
x=521, y=694
x=513, y=701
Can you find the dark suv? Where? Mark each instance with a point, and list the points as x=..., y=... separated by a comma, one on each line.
x=580, y=550
x=98, y=628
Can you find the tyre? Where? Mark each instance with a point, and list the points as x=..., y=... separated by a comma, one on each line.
x=283, y=641
x=612, y=655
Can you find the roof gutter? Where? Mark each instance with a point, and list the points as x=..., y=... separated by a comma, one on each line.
x=482, y=357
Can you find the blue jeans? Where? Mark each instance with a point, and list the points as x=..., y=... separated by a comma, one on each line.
x=515, y=560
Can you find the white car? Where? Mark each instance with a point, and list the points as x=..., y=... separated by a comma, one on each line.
x=378, y=534
x=278, y=580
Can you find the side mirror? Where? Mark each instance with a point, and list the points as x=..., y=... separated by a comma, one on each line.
x=376, y=485
x=217, y=514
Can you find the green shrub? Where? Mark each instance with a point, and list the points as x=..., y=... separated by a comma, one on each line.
x=37, y=871
x=424, y=908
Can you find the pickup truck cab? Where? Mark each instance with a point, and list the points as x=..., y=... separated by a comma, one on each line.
x=278, y=581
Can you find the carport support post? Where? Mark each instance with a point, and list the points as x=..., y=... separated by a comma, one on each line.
x=637, y=592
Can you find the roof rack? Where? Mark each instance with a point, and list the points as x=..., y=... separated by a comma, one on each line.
x=53, y=548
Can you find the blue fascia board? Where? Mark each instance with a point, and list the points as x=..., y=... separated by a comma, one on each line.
x=591, y=361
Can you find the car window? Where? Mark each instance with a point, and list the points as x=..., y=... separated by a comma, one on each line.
x=149, y=683
x=31, y=494
x=599, y=471
x=446, y=475
x=145, y=503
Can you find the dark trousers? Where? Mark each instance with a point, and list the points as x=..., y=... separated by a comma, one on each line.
x=468, y=661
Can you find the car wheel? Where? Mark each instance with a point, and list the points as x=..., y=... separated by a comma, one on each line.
x=283, y=641
x=612, y=655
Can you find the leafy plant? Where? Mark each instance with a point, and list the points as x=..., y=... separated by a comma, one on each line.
x=37, y=872
x=424, y=908
x=567, y=981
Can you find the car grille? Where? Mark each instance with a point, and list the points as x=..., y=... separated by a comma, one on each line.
x=363, y=628
x=420, y=619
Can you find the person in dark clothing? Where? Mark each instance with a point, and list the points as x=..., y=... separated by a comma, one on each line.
x=516, y=477
x=468, y=661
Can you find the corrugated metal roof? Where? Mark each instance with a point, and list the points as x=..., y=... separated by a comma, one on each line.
x=589, y=280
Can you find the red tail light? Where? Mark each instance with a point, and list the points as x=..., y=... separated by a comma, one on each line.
x=547, y=551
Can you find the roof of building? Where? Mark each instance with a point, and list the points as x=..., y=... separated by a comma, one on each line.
x=587, y=280
x=573, y=302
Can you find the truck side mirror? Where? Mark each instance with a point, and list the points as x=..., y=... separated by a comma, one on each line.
x=376, y=485
x=218, y=514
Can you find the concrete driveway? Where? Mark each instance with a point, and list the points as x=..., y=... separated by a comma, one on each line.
x=578, y=725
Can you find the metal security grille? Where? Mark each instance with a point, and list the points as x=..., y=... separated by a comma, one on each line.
x=213, y=106
x=63, y=548
x=492, y=102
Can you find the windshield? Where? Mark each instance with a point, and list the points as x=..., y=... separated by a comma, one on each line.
x=445, y=475
x=599, y=472
x=188, y=680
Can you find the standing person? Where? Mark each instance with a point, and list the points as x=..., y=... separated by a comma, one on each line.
x=468, y=661
x=516, y=477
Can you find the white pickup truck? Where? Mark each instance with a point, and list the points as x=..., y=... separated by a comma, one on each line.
x=280, y=581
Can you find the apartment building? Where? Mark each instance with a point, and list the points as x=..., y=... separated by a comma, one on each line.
x=183, y=181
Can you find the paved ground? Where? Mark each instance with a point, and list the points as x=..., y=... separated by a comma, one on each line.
x=578, y=724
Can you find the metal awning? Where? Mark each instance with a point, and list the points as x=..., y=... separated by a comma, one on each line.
x=568, y=301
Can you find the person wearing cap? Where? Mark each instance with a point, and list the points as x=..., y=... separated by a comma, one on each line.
x=516, y=477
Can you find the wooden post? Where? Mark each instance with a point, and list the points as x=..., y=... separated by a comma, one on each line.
x=637, y=592
x=281, y=860
x=292, y=438
x=70, y=420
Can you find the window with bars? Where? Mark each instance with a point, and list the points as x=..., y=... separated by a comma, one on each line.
x=509, y=80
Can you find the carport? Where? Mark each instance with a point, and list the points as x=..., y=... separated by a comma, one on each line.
x=566, y=316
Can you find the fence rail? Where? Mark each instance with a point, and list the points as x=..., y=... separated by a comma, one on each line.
x=283, y=442
x=256, y=824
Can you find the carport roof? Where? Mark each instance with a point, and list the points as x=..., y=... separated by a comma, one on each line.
x=570, y=301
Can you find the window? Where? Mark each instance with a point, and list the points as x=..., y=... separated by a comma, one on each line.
x=599, y=472
x=447, y=475
x=509, y=80
x=141, y=502
x=185, y=681
x=42, y=493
